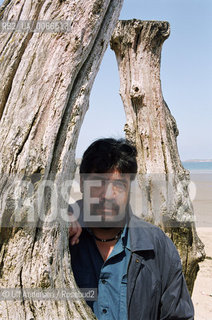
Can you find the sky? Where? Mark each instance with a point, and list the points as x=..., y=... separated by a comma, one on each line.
x=186, y=77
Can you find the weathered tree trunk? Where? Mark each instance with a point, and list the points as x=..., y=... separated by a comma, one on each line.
x=150, y=125
x=46, y=79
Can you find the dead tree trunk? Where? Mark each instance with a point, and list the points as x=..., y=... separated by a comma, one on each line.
x=46, y=78
x=152, y=128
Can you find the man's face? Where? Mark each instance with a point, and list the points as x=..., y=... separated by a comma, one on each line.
x=105, y=198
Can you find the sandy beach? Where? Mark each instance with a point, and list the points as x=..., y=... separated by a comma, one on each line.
x=202, y=293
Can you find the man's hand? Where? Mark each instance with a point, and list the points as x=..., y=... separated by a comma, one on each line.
x=75, y=231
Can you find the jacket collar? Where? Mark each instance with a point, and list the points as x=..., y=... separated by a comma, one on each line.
x=141, y=237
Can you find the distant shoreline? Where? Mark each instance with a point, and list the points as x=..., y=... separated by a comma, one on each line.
x=78, y=161
x=198, y=160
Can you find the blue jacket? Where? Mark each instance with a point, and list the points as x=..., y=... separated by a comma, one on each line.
x=156, y=286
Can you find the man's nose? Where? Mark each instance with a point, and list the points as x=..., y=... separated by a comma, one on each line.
x=109, y=191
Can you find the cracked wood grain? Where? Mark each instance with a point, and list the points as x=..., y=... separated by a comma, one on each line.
x=46, y=80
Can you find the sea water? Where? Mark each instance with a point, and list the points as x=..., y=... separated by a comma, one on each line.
x=198, y=166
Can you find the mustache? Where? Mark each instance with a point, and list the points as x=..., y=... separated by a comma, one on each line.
x=108, y=204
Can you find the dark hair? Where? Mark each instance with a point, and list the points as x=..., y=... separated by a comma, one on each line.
x=107, y=154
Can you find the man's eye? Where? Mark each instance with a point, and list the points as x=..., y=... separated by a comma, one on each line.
x=120, y=185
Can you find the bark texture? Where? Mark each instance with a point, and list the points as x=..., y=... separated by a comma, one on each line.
x=152, y=128
x=46, y=79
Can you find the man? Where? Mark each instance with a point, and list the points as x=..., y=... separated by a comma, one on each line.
x=133, y=264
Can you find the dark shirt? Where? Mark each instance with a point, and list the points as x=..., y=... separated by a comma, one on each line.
x=110, y=277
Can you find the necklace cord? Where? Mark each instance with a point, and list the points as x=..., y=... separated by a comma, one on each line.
x=108, y=240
